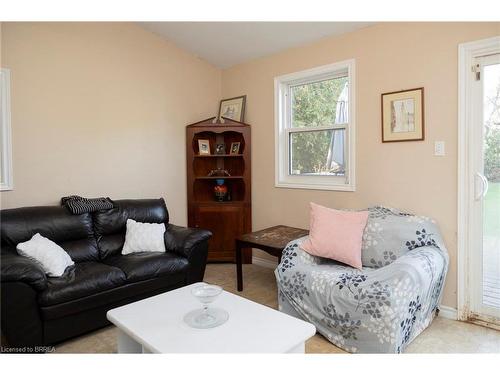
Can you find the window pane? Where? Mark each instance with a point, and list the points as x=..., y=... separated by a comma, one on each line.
x=320, y=103
x=317, y=152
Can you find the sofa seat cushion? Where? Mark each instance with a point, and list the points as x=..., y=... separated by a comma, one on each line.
x=112, y=298
x=142, y=266
x=82, y=280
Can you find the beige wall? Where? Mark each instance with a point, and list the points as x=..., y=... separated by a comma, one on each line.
x=100, y=109
x=406, y=175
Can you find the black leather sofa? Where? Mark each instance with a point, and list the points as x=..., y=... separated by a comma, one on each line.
x=40, y=311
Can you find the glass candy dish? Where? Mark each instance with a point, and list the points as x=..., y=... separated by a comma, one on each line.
x=206, y=317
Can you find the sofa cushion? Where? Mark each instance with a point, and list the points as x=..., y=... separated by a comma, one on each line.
x=141, y=266
x=391, y=233
x=336, y=234
x=115, y=297
x=110, y=225
x=84, y=279
x=144, y=237
x=74, y=233
x=49, y=255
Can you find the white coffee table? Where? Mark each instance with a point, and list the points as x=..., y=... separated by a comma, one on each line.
x=155, y=325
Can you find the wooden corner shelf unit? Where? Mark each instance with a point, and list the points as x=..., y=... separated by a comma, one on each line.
x=230, y=218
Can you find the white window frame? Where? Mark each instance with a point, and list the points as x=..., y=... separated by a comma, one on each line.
x=6, y=182
x=282, y=124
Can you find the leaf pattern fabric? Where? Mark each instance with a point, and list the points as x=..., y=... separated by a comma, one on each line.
x=384, y=306
x=405, y=233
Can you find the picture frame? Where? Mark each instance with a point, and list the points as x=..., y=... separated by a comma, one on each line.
x=233, y=108
x=220, y=149
x=203, y=146
x=403, y=115
x=235, y=148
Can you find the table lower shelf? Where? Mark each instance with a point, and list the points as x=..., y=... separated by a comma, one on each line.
x=127, y=345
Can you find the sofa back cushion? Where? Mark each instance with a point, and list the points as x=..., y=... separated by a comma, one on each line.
x=390, y=233
x=110, y=225
x=74, y=233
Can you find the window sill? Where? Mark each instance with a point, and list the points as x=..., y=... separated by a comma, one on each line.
x=329, y=187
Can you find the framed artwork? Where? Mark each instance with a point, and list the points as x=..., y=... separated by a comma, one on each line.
x=235, y=148
x=220, y=148
x=204, y=146
x=403, y=115
x=233, y=108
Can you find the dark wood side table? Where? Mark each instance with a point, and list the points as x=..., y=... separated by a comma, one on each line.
x=272, y=240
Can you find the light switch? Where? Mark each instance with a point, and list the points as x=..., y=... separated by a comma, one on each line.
x=439, y=148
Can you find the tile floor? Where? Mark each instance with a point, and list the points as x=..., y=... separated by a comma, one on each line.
x=443, y=336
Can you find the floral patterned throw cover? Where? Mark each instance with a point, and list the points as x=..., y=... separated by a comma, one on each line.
x=384, y=306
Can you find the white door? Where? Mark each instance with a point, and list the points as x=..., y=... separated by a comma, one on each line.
x=485, y=175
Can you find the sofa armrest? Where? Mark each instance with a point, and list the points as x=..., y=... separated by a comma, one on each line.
x=16, y=268
x=183, y=240
x=191, y=243
x=426, y=267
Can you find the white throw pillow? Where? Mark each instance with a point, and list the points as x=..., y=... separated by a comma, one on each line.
x=52, y=257
x=143, y=237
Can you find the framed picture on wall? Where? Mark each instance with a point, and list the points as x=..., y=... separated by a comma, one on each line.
x=233, y=108
x=403, y=115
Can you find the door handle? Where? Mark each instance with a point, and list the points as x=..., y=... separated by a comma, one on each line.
x=484, y=187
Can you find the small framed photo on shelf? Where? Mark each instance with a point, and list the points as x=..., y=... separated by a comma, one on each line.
x=204, y=146
x=233, y=108
x=220, y=148
x=235, y=148
x=403, y=115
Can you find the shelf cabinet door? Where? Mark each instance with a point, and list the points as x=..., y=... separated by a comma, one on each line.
x=226, y=222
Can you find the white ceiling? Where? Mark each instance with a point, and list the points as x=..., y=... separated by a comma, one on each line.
x=225, y=44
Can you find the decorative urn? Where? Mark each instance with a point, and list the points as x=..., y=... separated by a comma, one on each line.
x=220, y=190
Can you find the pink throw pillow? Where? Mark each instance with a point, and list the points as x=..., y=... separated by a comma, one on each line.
x=336, y=234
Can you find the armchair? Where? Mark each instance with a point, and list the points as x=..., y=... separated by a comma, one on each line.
x=384, y=306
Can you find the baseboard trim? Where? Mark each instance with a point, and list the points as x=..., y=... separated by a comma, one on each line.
x=448, y=312
x=264, y=262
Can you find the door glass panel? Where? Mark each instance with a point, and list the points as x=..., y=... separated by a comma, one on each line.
x=491, y=203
